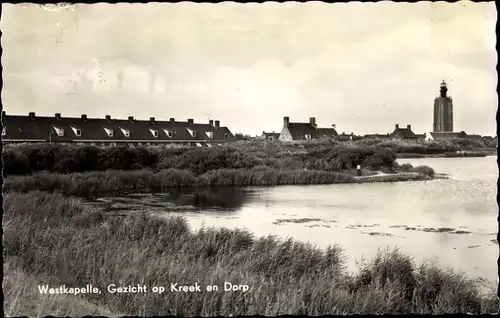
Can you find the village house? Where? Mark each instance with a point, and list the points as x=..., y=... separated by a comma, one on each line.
x=304, y=131
x=403, y=133
x=348, y=137
x=111, y=132
x=270, y=136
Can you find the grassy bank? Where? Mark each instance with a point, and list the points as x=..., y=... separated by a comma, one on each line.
x=470, y=154
x=93, y=183
x=83, y=170
x=51, y=239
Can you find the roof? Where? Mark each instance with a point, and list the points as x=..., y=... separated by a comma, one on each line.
x=404, y=133
x=443, y=135
x=300, y=130
x=326, y=132
x=94, y=129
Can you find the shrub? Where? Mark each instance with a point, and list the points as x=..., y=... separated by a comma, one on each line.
x=425, y=170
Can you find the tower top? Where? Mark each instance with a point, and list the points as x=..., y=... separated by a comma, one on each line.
x=443, y=89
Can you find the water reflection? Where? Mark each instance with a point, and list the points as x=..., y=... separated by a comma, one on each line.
x=222, y=199
x=206, y=200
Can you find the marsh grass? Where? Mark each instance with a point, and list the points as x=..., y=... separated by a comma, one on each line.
x=86, y=184
x=56, y=240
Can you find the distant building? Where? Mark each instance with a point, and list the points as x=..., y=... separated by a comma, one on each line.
x=270, y=136
x=443, y=111
x=348, y=137
x=111, y=132
x=444, y=135
x=403, y=133
x=304, y=131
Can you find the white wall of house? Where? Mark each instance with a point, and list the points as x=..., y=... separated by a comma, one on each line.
x=428, y=137
x=285, y=135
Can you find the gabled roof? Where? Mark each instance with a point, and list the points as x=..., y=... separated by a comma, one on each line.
x=45, y=128
x=326, y=132
x=404, y=132
x=300, y=130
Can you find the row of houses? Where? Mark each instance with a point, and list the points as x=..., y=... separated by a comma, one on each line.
x=304, y=131
x=110, y=131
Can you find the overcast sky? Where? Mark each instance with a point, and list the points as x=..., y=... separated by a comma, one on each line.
x=362, y=66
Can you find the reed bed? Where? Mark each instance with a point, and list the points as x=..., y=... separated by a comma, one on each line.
x=53, y=239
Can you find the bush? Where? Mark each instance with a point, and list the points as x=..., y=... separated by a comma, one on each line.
x=425, y=170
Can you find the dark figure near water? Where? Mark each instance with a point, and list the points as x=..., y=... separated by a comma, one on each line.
x=358, y=170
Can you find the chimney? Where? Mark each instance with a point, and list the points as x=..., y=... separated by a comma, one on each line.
x=190, y=121
x=32, y=115
x=408, y=127
x=211, y=122
x=84, y=117
x=397, y=126
x=172, y=120
x=334, y=126
x=152, y=120
x=286, y=121
x=343, y=133
x=131, y=119
x=58, y=116
x=217, y=124
x=312, y=120
x=108, y=117
x=352, y=134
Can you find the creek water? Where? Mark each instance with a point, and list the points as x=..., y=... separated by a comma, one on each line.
x=452, y=221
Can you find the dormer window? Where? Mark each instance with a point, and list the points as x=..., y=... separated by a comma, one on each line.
x=210, y=134
x=125, y=132
x=154, y=132
x=59, y=131
x=109, y=132
x=191, y=132
x=308, y=136
x=4, y=131
x=77, y=131
x=226, y=136
x=169, y=133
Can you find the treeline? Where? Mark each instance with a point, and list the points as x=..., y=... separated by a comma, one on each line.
x=324, y=156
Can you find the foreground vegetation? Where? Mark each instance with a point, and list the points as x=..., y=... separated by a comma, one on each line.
x=52, y=239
